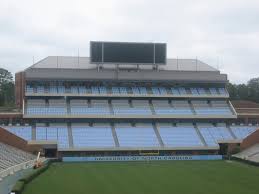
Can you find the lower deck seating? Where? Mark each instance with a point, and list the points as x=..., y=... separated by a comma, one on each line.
x=10, y=156
x=138, y=136
x=214, y=134
x=101, y=135
x=24, y=132
x=54, y=133
x=95, y=136
x=179, y=136
x=242, y=132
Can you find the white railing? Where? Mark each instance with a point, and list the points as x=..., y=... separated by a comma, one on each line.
x=11, y=170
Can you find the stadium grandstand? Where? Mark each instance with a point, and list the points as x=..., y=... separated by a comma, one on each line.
x=75, y=106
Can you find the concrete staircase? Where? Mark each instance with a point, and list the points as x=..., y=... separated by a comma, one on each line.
x=114, y=134
x=152, y=108
x=192, y=108
x=70, y=135
x=33, y=132
x=111, y=108
x=200, y=135
x=156, y=129
x=231, y=132
x=68, y=107
x=251, y=153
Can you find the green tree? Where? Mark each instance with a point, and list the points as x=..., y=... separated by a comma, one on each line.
x=6, y=88
x=242, y=91
x=232, y=89
x=253, y=87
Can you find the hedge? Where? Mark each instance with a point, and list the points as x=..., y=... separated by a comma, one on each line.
x=21, y=183
x=18, y=187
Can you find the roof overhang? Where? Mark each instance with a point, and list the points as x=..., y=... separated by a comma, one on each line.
x=113, y=75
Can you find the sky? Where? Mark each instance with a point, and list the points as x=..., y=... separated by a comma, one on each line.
x=222, y=33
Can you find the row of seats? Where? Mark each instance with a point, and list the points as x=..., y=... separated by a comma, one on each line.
x=39, y=107
x=138, y=90
x=212, y=134
x=214, y=108
x=95, y=136
x=136, y=135
x=124, y=107
x=179, y=136
x=53, y=133
x=10, y=156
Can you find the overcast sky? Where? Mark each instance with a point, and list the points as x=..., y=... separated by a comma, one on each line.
x=223, y=33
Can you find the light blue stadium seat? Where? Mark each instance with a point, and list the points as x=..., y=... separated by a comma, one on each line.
x=163, y=108
x=213, y=91
x=102, y=90
x=182, y=91
x=123, y=90
x=194, y=91
x=40, y=89
x=53, y=89
x=29, y=89
x=139, y=90
x=155, y=91
x=95, y=90
x=143, y=90
x=115, y=90
x=181, y=136
x=82, y=90
x=41, y=133
x=136, y=136
x=222, y=91
x=175, y=91
x=61, y=89
x=132, y=111
x=202, y=91
x=213, y=111
x=24, y=132
x=214, y=134
x=97, y=136
x=242, y=132
x=57, y=133
x=159, y=90
x=74, y=90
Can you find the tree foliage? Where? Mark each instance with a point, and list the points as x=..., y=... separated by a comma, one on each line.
x=249, y=91
x=6, y=88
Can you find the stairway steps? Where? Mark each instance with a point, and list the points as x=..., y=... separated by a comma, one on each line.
x=156, y=129
x=200, y=135
x=115, y=137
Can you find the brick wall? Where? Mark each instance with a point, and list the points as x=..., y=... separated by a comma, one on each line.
x=10, y=139
x=19, y=89
x=250, y=140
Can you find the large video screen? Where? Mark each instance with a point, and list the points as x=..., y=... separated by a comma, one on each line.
x=128, y=53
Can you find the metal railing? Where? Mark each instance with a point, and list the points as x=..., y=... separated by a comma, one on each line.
x=11, y=170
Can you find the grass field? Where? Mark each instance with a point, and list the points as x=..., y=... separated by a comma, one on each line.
x=179, y=177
